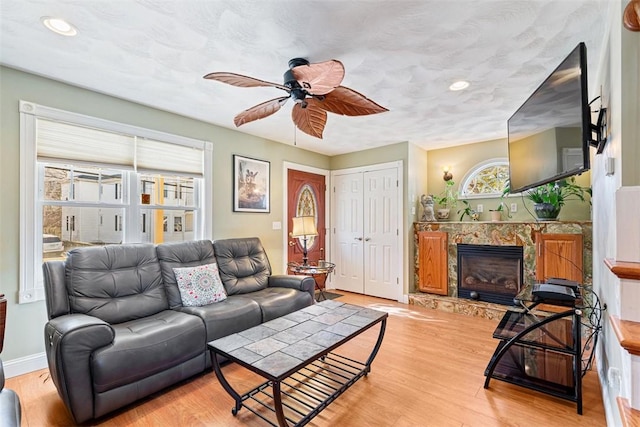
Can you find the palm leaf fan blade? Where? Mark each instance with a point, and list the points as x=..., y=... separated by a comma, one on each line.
x=242, y=81
x=348, y=102
x=260, y=111
x=310, y=120
x=320, y=78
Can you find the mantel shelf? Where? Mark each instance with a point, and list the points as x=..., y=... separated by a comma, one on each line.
x=624, y=270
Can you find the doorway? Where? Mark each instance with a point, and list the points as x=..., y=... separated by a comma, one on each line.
x=306, y=197
x=366, y=230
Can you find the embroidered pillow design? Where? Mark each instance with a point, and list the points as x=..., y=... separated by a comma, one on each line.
x=200, y=285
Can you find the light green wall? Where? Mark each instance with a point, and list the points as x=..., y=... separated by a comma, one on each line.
x=27, y=320
x=463, y=158
x=416, y=186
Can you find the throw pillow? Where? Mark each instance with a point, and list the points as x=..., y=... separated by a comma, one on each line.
x=200, y=285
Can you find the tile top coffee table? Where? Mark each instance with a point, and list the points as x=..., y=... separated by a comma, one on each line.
x=295, y=354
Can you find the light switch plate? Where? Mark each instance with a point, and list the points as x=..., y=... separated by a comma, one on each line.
x=276, y=225
x=479, y=208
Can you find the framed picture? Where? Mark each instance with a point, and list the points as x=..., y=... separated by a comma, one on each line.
x=251, y=184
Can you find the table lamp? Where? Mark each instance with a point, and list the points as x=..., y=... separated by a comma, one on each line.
x=304, y=226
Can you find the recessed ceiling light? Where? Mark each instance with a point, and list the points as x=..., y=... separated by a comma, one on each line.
x=59, y=26
x=459, y=85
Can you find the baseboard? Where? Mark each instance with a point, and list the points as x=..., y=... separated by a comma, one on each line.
x=24, y=365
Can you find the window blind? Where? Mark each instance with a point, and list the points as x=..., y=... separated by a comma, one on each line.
x=158, y=156
x=62, y=141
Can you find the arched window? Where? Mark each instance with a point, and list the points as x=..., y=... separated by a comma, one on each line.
x=486, y=179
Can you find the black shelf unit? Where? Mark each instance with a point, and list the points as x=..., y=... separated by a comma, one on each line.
x=540, y=351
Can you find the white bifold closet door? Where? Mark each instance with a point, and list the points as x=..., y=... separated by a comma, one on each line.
x=366, y=232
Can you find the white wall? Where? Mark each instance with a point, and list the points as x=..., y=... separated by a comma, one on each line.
x=617, y=77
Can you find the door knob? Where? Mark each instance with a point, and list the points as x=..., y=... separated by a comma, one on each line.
x=367, y=239
x=358, y=238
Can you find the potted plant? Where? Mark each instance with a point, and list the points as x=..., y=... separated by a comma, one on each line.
x=448, y=200
x=496, y=214
x=549, y=198
x=468, y=211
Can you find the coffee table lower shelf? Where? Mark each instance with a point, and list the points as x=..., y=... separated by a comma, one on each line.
x=305, y=393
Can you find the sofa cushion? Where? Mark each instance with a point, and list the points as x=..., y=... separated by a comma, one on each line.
x=181, y=254
x=243, y=265
x=115, y=283
x=144, y=347
x=200, y=285
x=276, y=302
x=232, y=315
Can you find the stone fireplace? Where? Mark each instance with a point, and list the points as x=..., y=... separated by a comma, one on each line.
x=489, y=273
x=502, y=233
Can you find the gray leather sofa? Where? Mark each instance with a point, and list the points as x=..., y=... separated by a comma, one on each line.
x=10, y=409
x=118, y=331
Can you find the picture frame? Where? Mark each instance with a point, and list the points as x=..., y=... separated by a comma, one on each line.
x=251, y=184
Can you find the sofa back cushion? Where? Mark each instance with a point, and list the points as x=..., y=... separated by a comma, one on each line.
x=178, y=255
x=115, y=283
x=243, y=264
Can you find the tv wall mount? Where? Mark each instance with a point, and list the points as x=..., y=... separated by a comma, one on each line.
x=599, y=129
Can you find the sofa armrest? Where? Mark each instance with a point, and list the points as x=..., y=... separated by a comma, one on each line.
x=69, y=343
x=57, y=298
x=301, y=283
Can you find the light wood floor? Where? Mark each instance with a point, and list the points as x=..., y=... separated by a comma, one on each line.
x=429, y=372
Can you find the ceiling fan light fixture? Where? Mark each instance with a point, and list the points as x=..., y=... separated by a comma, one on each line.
x=59, y=26
x=459, y=85
x=315, y=89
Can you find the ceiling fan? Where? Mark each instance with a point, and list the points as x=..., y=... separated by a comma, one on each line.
x=316, y=90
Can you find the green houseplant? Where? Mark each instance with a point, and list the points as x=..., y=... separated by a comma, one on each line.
x=448, y=200
x=548, y=199
x=496, y=214
x=467, y=211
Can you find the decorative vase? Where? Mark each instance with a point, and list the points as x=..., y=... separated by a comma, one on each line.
x=443, y=213
x=546, y=211
x=495, y=215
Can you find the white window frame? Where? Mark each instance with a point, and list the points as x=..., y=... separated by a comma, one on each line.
x=500, y=161
x=31, y=278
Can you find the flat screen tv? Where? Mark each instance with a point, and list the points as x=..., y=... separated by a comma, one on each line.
x=549, y=136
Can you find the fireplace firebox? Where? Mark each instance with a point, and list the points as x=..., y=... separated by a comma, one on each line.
x=490, y=273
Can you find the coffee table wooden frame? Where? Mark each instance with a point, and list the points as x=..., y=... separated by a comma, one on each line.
x=306, y=389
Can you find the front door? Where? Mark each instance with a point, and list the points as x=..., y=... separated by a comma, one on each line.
x=306, y=198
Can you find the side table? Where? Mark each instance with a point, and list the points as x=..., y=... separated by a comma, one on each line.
x=321, y=269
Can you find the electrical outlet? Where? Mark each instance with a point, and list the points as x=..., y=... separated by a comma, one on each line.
x=514, y=207
x=479, y=208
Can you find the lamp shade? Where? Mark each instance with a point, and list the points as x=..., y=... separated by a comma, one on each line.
x=304, y=226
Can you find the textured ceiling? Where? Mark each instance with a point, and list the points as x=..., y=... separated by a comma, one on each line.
x=401, y=54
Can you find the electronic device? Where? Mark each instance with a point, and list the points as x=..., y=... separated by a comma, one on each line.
x=550, y=134
x=550, y=292
x=564, y=282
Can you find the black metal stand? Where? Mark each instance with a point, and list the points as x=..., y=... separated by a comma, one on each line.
x=527, y=343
